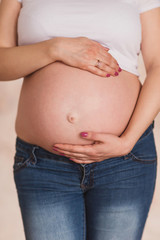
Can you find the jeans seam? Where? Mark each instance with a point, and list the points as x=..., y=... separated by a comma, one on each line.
x=91, y=180
x=83, y=177
x=144, y=161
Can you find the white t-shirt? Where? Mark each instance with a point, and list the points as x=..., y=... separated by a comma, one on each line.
x=113, y=23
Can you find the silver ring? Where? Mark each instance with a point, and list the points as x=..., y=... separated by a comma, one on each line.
x=98, y=63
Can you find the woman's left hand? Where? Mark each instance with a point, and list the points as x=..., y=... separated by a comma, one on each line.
x=105, y=146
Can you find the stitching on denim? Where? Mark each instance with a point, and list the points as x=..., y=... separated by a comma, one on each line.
x=142, y=160
x=148, y=133
x=83, y=176
x=131, y=154
x=19, y=165
x=33, y=156
x=91, y=180
x=23, y=149
x=18, y=159
x=54, y=157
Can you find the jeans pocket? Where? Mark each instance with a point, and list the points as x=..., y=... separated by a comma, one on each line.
x=23, y=159
x=20, y=162
x=144, y=150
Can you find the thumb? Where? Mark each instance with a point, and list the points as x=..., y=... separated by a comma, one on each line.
x=93, y=136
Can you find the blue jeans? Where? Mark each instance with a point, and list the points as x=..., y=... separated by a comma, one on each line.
x=63, y=200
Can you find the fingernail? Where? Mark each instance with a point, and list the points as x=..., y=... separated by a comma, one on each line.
x=116, y=74
x=108, y=75
x=71, y=159
x=84, y=134
x=62, y=154
x=119, y=70
x=55, y=149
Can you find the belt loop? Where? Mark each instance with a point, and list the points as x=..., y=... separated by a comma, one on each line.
x=33, y=157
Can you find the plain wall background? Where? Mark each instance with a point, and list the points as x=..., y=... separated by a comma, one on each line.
x=10, y=218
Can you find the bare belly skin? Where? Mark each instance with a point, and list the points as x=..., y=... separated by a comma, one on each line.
x=58, y=102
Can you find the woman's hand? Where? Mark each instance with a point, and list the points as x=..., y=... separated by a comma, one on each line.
x=84, y=53
x=104, y=146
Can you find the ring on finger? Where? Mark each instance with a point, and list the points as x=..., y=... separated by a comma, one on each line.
x=98, y=63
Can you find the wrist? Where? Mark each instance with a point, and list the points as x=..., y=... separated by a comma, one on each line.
x=128, y=144
x=54, y=49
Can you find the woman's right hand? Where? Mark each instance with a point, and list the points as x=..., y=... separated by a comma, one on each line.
x=83, y=53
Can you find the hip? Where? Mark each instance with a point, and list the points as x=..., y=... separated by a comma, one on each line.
x=30, y=155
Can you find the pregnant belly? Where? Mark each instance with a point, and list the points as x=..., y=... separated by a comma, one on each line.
x=58, y=102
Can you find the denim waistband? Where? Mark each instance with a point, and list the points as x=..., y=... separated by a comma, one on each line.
x=21, y=144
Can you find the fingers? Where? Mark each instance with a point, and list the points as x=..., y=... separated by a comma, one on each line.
x=84, y=156
x=81, y=162
x=81, y=156
x=84, y=153
x=82, y=52
x=109, y=68
x=88, y=160
x=77, y=151
x=81, y=149
x=107, y=62
x=107, y=58
x=96, y=71
x=110, y=61
x=102, y=73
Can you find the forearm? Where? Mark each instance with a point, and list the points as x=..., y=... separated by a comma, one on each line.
x=147, y=108
x=19, y=61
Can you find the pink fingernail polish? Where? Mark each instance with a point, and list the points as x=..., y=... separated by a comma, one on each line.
x=119, y=70
x=108, y=75
x=116, y=74
x=71, y=159
x=55, y=149
x=84, y=134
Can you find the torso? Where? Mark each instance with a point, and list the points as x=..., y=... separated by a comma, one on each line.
x=58, y=102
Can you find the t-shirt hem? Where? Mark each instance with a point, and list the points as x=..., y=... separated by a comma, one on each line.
x=129, y=70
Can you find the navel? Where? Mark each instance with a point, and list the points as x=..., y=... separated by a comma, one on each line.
x=72, y=117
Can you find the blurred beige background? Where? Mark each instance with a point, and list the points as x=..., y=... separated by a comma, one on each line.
x=11, y=227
